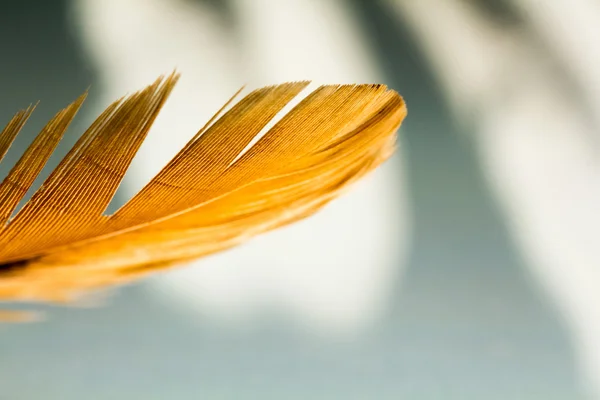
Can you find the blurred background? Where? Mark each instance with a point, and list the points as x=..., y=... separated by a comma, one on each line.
x=467, y=267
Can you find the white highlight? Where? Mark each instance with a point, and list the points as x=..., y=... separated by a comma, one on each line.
x=332, y=272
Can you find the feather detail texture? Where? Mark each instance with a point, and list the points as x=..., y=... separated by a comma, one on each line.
x=214, y=194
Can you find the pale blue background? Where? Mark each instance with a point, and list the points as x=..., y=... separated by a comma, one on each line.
x=469, y=322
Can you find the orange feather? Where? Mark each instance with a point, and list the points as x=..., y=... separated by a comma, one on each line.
x=213, y=195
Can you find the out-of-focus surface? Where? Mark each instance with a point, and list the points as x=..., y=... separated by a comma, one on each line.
x=466, y=268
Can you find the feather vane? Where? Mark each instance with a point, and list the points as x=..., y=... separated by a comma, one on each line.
x=213, y=195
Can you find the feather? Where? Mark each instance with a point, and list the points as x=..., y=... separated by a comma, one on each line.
x=214, y=194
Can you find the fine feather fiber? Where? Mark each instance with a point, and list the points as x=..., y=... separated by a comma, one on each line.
x=214, y=194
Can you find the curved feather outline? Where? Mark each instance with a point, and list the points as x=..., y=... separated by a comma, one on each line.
x=214, y=194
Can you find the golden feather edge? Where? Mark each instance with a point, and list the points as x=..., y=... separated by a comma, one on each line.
x=213, y=195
